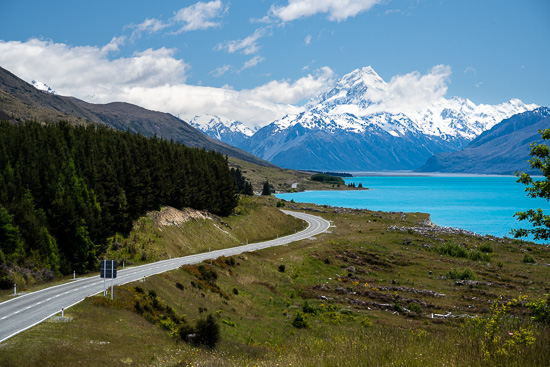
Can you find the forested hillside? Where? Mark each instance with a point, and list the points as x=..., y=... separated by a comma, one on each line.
x=65, y=189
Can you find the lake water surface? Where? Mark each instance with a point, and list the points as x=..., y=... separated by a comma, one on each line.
x=482, y=204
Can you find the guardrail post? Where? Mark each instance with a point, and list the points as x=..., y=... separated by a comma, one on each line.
x=14, y=289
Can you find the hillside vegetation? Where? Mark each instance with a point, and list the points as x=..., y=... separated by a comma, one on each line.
x=282, y=179
x=378, y=289
x=65, y=189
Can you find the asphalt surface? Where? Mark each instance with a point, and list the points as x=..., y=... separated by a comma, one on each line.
x=25, y=311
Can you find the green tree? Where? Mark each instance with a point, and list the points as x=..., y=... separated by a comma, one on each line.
x=207, y=332
x=534, y=189
x=266, y=189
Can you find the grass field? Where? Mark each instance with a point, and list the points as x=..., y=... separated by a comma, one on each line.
x=378, y=289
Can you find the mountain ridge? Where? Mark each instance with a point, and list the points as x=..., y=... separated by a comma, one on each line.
x=350, y=128
x=20, y=101
x=504, y=149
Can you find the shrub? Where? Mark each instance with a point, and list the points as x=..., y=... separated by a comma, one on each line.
x=529, y=259
x=464, y=274
x=207, y=332
x=479, y=256
x=486, y=247
x=452, y=249
x=307, y=308
x=366, y=322
x=139, y=289
x=179, y=286
x=167, y=324
x=300, y=321
x=540, y=310
x=415, y=307
x=184, y=331
x=152, y=294
x=282, y=268
x=228, y=322
x=235, y=291
x=397, y=307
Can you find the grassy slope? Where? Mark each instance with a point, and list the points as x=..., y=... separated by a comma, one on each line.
x=390, y=267
x=280, y=178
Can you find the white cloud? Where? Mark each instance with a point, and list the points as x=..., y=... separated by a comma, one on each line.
x=252, y=62
x=307, y=40
x=338, y=10
x=86, y=70
x=149, y=25
x=114, y=45
x=199, y=16
x=219, y=71
x=411, y=92
x=247, y=46
x=153, y=79
x=470, y=69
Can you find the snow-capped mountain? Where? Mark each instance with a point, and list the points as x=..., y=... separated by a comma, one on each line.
x=42, y=86
x=229, y=131
x=359, y=124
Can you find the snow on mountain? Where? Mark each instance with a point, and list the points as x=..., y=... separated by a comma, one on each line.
x=227, y=130
x=42, y=86
x=363, y=123
x=351, y=106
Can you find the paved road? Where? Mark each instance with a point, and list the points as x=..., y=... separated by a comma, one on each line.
x=25, y=311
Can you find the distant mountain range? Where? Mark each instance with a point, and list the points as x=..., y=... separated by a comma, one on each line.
x=504, y=149
x=20, y=100
x=229, y=131
x=346, y=129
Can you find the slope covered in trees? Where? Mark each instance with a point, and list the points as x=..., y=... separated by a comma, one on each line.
x=65, y=189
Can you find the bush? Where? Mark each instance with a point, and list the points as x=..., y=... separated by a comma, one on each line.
x=415, y=307
x=540, y=310
x=529, y=259
x=397, y=307
x=282, y=268
x=300, y=321
x=479, y=256
x=464, y=274
x=179, y=286
x=307, y=308
x=486, y=247
x=207, y=332
x=366, y=322
x=452, y=249
x=228, y=322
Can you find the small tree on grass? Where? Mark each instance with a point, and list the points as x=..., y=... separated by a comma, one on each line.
x=266, y=189
x=300, y=321
x=207, y=332
x=534, y=189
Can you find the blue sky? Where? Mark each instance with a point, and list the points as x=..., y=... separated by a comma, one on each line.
x=258, y=60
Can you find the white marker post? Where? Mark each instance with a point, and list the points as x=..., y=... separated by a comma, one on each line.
x=14, y=289
x=62, y=313
x=104, y=278
x=74, y=274
x=112, y=277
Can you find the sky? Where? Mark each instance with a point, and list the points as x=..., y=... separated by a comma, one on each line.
x=256, y=61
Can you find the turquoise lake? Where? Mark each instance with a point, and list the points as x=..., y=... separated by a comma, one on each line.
x=482, y=204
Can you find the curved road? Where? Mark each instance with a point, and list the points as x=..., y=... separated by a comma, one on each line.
x=25, y=311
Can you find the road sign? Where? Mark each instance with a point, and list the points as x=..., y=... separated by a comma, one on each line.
x=108, y=269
